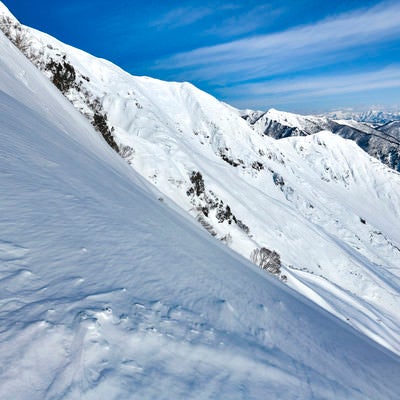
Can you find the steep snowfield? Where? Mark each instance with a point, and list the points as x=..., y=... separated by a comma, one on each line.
x=106, y=293
x=328, y=209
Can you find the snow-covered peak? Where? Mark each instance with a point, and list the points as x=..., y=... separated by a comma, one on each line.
x=282, y=117
x=295, y=120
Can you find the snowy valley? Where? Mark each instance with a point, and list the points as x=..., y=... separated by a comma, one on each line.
x=111, y=288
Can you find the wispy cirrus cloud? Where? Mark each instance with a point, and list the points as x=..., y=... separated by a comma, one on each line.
x=319, y=86
x=191, y=13
x=223, y=19
x=248, y=20
x=294, y=49
x=181, y=16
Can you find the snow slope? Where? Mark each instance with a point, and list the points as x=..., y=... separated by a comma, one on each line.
x=107, y=293
x=328, y=209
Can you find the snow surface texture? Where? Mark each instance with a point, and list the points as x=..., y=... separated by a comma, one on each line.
x=106, y=293
x=329, y=210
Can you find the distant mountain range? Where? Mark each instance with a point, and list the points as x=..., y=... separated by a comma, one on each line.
x=368, y=116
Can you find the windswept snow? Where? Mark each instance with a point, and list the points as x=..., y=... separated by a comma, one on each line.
x=107, y=293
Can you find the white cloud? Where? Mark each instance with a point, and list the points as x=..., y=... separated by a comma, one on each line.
x=320, y=87
x=182, y=16
x=334, y=84
x=296, y=48
x=248, y=20
x=189, y=14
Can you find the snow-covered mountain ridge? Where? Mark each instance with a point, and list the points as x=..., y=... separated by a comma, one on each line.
x=379, y=141
x=325, y=207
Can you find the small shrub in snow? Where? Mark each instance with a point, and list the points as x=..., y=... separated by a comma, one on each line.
x=227, y=239
x=278, y=179
x=100, y=123
x=267, y=259
x=242, y=226
x=206, y=225
x=229, y=160
x=257, y=165
x=205, y=210
x=126, y=151
x=6, y=24
x=63, y=75
x=224, y=214
x=198, y=183
x=16, y=33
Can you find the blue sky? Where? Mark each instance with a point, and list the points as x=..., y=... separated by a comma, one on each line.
x=302, y=56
